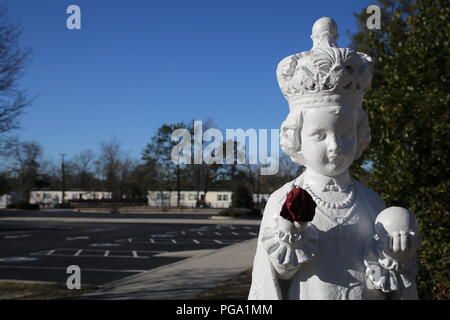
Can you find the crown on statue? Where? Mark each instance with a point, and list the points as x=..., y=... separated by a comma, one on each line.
x=325, y=75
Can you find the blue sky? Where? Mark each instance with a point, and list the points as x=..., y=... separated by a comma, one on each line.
x=137, y=64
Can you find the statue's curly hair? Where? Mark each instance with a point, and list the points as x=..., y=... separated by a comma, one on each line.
x=290, y=134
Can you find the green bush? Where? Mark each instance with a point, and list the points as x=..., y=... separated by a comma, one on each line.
x=66, y=205
x=241, y=197
x=408, y=109
x=23, y=206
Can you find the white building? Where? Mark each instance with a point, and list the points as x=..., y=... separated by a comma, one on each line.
x=261, y=198
x=5, y=199
x=48, y=198
x=214, y=199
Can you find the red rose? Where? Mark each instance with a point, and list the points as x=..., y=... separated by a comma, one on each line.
x=299, y=206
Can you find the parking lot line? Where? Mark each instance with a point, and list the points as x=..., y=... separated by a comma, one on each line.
x=235, y=233
x=217, y=241
x=17, y=236
x=60, y=268
x=144, y=254
x=196, y=241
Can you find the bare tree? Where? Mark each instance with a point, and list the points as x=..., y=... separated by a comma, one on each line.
x=127, y=166
x=25, y=157
x=117, y=169
x=83, y=164
x=13, y=59
x=108, y=164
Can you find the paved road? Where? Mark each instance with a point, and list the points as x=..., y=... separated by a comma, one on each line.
x=103, y=215
x=105, y=252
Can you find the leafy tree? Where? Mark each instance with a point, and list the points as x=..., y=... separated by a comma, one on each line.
x=169, y=175
x=408, y=108
x=142, y=179
x=157, y=154
x=205, y=175
x=5, y=187
x=241, y=197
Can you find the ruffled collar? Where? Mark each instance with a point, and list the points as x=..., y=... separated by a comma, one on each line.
x=322, y=183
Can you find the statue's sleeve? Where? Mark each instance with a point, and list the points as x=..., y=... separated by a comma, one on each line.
x=287, y=246
x=390, y=276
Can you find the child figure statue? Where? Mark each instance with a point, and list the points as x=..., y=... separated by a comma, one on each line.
x=320, y=237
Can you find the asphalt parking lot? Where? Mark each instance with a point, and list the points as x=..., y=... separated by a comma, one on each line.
x=104, y=251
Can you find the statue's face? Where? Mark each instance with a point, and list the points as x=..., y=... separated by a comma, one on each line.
x=328, y=139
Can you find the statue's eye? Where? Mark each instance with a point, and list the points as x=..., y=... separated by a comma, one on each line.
x=318, y=136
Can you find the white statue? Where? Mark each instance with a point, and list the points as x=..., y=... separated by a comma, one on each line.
x=322, y=235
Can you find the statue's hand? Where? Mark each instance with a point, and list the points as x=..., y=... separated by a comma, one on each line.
x=289, y=227
x=401, y=245
x=397, y=230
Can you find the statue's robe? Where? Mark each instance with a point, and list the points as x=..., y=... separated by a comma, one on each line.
x=329, y=262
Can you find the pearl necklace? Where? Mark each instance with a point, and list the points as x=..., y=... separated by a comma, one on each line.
x=347, y=202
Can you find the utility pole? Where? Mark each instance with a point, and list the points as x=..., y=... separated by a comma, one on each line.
x=63, y=178
x=178, y=185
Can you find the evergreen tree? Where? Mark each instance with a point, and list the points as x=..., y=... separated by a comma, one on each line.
x=408, y=108
x=241, y=197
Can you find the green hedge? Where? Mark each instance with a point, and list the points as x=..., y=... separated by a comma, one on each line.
x=23, y=206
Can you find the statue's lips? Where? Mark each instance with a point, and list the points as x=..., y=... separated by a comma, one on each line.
x=335, y=159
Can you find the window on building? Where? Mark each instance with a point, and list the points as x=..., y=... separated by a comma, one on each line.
x=74, y=196
x=192, y=196
x=225, y=197
x=162, y=196
x=181, y=196
x=219, y=197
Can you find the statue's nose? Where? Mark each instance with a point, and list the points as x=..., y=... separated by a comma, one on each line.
x=332, y=144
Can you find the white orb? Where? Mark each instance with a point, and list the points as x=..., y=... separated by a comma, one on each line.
x=395, y=219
